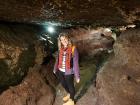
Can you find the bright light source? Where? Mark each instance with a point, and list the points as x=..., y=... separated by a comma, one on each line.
x=50, y=29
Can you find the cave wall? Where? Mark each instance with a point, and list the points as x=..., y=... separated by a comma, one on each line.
x=33, y=90
x=17, y=52
x=90, y=41
x=24, y=80
x=118, y=82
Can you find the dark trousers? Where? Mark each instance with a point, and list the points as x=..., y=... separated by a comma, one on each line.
x=67, y=81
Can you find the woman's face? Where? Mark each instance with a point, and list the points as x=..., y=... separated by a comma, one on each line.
x=64, y=41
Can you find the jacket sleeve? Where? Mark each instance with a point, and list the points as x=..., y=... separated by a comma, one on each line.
x=55, y=66
x=76, y=64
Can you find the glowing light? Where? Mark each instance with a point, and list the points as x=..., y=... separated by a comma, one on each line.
x=50, y=29
x=42, y=38
x=47, y=36
x=50, y=41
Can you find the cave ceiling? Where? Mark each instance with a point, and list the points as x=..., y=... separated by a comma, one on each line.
x=71, y=12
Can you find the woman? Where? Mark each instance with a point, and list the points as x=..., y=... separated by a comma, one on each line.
x=67, y=67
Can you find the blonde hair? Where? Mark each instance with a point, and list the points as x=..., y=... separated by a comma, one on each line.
x=60, y=45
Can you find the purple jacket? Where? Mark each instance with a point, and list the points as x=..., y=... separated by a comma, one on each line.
x=75, y=69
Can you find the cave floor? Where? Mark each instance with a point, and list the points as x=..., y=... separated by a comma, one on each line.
x=87, y=72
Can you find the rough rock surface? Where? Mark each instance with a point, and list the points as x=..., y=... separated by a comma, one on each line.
x=46, y=72
x=89, y=97
x=32, y=91
x=118, y=82
x=89, y=41
x=17, y=52
x=104, y=12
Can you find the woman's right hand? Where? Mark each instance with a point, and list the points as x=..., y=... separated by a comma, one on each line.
x=54, y=71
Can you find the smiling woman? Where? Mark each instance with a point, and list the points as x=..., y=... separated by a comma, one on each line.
x=67, y=66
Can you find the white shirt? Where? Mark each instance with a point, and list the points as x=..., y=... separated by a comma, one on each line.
x=63, y=68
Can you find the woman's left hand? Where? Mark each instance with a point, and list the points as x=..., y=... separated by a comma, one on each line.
x=78, y=80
